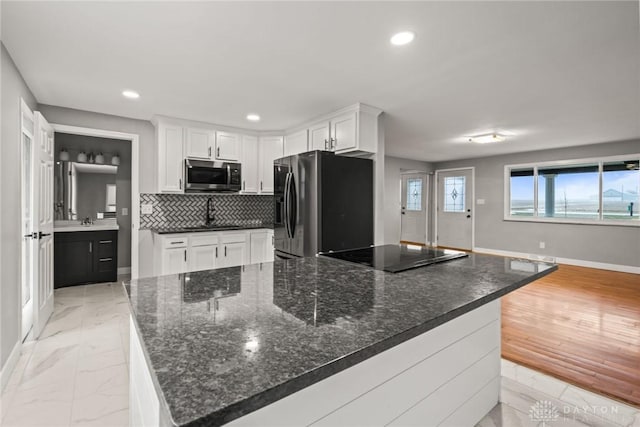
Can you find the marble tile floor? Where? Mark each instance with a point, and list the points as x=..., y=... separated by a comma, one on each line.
x=76, y=374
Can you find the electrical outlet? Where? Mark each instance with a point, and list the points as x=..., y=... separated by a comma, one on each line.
x=146, y=209
x=125, y=211
x=542, y=245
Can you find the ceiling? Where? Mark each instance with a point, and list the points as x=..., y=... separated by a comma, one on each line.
x=553, y=74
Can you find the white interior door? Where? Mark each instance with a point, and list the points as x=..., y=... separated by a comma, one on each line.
x=28, y=219
x=413, y=218
x=43, y=286
x=454, y=209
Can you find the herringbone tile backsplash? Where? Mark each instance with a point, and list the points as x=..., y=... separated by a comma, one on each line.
x=186, y=210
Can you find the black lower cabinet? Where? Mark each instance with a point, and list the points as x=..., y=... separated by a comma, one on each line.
x=85, y=257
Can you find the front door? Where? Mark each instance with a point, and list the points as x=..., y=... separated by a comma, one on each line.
x=454, y=209
x=413, y=218
x=43, y=206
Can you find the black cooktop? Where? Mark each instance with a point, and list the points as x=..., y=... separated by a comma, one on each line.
x=396, y=258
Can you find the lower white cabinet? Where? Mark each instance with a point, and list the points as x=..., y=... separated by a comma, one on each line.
x=180, y=253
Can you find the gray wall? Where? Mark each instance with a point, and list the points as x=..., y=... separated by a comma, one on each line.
x=393, y=169
x=597, y=243
x=76, y=143
x=147, y=155
x=13, y=88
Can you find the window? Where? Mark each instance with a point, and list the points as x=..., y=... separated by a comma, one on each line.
x=454, y=194
x=414, y=194
x=575, y=191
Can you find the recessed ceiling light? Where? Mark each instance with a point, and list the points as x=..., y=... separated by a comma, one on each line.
x=253, y=117
x=402, y=38
x=131, y=94
x=488, y=138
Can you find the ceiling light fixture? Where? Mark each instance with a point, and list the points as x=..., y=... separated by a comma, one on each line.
x=487, y=139
x=253, y=117
x=402, y=38
x=131, y=94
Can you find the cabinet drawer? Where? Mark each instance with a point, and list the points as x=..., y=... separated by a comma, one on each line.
x=107, y=248
x=179, y=241
x=233, y=238
x=106, y=264
x=203, y=239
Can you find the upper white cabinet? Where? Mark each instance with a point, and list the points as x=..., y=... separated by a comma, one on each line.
x=344, y=133
x=170, y=158
x=227, y=146
x=249, y=160
x=199, y=143
x=296, y=143
x=269, y=149
x=319, y=136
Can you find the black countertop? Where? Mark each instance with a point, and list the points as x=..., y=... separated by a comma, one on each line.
x=201, y=229
x=223, y=343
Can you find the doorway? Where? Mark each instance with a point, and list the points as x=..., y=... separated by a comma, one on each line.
x=455, y=224
x=413, y=208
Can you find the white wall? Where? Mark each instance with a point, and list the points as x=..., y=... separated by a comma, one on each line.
x=13, y=88
x=393, y=169
x=608, y=244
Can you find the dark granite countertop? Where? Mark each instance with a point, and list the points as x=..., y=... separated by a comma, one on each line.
x=220, y=227
x=223, y=343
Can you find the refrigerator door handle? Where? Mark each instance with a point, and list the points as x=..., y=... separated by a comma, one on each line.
x=293, y=209
x=286, y=204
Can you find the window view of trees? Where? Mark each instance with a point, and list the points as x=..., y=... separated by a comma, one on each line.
x=573, y=191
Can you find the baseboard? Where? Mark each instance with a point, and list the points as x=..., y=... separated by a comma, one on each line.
x=9, y=366
x=124, y=270
x=569, y=261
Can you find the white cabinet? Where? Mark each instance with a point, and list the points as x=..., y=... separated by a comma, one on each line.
x=171, y=254
x=199, y=143
x=249, y=160
x=319, y=136
x=227, y=146
x=296, y=143
x=261, y=246
x=344, y=132
x=203, y=251
x=269, y=149
x=233, y=249
x=170, y=158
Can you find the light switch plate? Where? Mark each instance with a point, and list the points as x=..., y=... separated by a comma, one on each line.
x=481, y=201
x=146, y=209
x=125, y=211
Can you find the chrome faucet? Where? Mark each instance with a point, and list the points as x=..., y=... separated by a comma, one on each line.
x=210, y=212
x=87, y=221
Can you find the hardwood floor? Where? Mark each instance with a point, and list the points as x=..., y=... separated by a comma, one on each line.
x=581, y=325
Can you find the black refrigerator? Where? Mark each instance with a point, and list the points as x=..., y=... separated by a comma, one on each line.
x=323, y=202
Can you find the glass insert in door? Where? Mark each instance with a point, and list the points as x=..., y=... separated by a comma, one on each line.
x=454, y=189
x=27, y=226
x=414, y=194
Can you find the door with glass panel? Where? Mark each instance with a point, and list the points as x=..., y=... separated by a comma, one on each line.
x=454, y=221
x=413, y=218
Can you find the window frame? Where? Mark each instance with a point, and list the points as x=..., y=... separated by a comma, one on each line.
x=600, y=161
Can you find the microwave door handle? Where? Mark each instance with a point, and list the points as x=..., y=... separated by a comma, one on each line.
x=228, y=174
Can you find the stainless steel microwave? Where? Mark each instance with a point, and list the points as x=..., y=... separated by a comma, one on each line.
x=205, y=175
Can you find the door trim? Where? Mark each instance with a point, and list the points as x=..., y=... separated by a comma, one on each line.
x=436, y=204
x=134, y=138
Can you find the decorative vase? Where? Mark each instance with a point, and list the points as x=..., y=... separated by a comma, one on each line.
x=64, y=155
x=115, y=160
x=100, y=159
x=82, y=157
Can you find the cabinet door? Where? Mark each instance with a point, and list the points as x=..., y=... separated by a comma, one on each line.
x=202, y=257
x=227, y=146
x=258, y=246
x=170, y=159
x=319, y=136
x=174, y=260
x=344, y=132
x=199, y=143
x=296, y=143
x=250, y=181
x=233, y=254
x=269, y=149
x=73, y=260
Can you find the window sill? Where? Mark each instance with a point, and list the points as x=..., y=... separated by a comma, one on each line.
x=632, y=223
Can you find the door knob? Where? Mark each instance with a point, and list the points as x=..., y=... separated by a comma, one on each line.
x=41, y=235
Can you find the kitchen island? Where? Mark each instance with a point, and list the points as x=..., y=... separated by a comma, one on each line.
x=321, y=341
